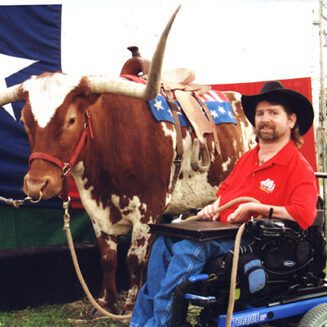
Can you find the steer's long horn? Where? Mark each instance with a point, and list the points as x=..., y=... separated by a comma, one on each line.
x=150, y=91
x=11, y=94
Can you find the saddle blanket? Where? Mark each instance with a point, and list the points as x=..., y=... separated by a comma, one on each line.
x=217, y=103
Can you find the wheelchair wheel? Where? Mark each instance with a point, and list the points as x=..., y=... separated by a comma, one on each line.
x=315, y=317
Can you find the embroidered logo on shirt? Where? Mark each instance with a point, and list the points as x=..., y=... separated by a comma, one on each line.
x=268, y=185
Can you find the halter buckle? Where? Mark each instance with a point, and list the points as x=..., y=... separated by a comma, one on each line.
x=66, y=169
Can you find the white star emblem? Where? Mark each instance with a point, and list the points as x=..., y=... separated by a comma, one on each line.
x=8, y=66
x=158, y=104
x=222, y=110
x=214, y=114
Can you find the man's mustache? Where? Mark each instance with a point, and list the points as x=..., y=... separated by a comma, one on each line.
x=266, y=125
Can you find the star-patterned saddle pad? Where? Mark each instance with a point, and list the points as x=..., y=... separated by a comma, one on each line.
x=217, y=103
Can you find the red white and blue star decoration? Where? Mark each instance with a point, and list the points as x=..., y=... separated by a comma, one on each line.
x=218, y=105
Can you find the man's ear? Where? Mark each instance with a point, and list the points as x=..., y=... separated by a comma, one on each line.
x=292, y=120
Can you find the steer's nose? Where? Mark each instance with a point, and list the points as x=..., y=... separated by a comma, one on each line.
x=33, y=186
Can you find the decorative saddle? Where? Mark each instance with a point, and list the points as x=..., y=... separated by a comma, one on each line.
x=183, y=102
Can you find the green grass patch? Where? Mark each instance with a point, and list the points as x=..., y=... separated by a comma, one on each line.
x=54, y=315
x=64, y=315
x=59, y=315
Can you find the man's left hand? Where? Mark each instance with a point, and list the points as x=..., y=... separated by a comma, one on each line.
x=242, y=213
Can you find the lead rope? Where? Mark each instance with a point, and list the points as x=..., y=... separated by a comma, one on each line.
x=78, y=270
x=236, y=254
x=233, y=277
x=18, y=203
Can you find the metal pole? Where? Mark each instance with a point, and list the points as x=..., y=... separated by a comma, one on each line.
x=322, y=128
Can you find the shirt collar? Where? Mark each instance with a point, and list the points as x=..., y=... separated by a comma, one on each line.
x=283, y=156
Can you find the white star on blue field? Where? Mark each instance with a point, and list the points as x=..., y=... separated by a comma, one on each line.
x=221, y=112
x=10, y=65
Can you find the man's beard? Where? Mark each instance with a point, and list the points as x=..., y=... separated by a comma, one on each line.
x=269, y=132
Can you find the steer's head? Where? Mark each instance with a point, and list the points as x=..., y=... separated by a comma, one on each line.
x=54, y=120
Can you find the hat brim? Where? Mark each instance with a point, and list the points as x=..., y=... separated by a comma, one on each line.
x=298, y=104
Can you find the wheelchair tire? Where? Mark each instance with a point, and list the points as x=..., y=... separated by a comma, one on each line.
x=315, y=317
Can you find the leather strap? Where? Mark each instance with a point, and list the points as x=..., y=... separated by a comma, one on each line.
x=211, y=121
x=179, y=139
x=66, y=167
x=134, y=78
x=44, y=156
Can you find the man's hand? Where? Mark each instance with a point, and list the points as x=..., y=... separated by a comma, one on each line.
x=246, y=210
x=242, y=213
x=210, y=211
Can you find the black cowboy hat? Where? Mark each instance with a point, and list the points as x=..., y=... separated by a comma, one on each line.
x=294, y=101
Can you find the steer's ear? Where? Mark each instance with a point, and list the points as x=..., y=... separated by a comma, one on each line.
x=83, y=93
x=91, y=99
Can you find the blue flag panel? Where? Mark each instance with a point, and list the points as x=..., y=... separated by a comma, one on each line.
x=30, y=38
x=221, y=111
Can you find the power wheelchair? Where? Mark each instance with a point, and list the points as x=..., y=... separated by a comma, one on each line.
x=280, y=280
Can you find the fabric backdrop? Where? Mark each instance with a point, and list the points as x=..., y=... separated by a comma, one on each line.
x=30, y=38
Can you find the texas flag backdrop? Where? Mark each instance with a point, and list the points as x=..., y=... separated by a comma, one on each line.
x=30, y=44
x=30, y=38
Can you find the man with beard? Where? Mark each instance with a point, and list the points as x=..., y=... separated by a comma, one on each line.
x=274, y=172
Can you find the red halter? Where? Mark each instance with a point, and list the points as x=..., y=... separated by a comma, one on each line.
x=67, y=166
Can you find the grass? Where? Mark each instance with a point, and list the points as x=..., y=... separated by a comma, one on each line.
x=43, y=316
x=61, y=315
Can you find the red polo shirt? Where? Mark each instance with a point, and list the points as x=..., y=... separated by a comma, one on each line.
x=287, y=180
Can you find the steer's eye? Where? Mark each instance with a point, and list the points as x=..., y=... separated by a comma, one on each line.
x=71, y=121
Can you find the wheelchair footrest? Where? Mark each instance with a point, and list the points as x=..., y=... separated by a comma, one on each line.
x=200, y=300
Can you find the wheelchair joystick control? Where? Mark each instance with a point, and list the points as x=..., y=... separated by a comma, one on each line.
x=268, y=222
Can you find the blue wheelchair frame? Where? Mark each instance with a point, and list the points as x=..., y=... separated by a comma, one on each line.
x=266, y=314
x=261, y=315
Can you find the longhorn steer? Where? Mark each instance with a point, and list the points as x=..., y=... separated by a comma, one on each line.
x=125, y=169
